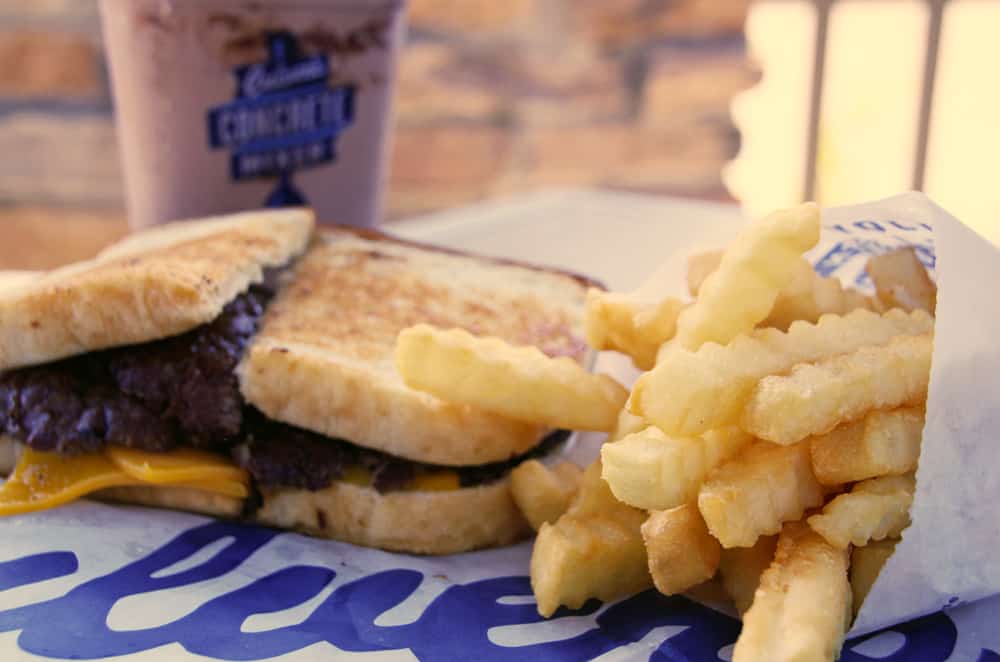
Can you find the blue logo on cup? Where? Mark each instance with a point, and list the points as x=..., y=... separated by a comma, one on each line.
x=285, y=117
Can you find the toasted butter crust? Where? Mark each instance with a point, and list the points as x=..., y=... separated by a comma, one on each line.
x=153, y=284
x=11, y=280
x=174, y=498
x=417, y=522
x=323, y=359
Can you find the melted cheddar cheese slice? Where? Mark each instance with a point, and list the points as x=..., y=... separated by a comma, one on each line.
x=45, y=480
x=181, y=465
x=436, y=481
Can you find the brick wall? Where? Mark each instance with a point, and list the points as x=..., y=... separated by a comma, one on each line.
x=494, y=98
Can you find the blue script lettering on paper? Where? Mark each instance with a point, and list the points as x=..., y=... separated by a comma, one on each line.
x=37, y=568
x=285, y=117
x=928, y=639
x=455, y=625
x=854, y=252
x=878, y=226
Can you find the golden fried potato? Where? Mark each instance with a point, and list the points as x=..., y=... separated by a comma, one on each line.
x=518, y=382
x=699, y=267
x=874, y=509
x=883, y=443
x=814, y=399
x=809, y=296
x=866, y=564
x=753, y=494
x=631, y=325
x=754, y=268
x=691, y=392
x=654, y=471
x=682, y=553
x=594, y=550
x=901, y=281
x=741, y=567
x=806, y=297
x=626, y=424
x=543, y=494
x=802, y=608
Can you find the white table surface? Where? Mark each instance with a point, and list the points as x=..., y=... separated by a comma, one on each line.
x=618, y=238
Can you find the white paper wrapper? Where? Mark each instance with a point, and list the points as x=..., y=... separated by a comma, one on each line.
x=949, y=554
x=92, y=581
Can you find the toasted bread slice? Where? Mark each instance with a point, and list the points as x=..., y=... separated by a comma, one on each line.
x=153, y=284
x=12, y=280
x=417, y=522
x=174, y=498
x=323, y=358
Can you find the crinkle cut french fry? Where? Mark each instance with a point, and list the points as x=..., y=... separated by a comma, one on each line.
x=690, y=392
x=809, y=296
x=740, y=569
x=806, y=297
x=802, y=607
x=521, y=383
x=594, y=550
x=629, y=324
x=626, y=424
x=902, y=281
x=682, y=553
x=654, y=471
x=866, y=564
x=815, y=398
x=883, y=443
x=699, y=267
x=754, y=268
x=873, y=510
x=753, y=494
x=543, y=494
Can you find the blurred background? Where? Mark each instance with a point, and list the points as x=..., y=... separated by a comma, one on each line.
x=860, y=99
x=494, y=98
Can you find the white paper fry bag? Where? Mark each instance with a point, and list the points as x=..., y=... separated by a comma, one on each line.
x=950, y=554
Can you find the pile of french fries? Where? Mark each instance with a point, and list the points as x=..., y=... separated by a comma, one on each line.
x=771, y=443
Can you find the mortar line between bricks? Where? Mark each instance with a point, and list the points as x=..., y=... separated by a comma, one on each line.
x=60, y=108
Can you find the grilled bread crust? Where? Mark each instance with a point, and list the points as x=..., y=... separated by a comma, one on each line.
x=174, y=498
x=153, y=284
x=323, y=358
x=415, y=522
x=11, y=280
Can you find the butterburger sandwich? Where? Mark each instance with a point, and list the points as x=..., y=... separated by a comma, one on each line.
x=243, y=367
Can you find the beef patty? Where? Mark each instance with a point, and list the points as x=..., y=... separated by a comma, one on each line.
x=280, y=455
x=154, y=396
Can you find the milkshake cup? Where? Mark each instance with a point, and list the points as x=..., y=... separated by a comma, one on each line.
x=228, y=105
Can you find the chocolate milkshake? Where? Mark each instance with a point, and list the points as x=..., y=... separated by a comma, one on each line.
x=225, y=105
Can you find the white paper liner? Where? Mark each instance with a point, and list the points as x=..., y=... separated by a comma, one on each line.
x=950, y=554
